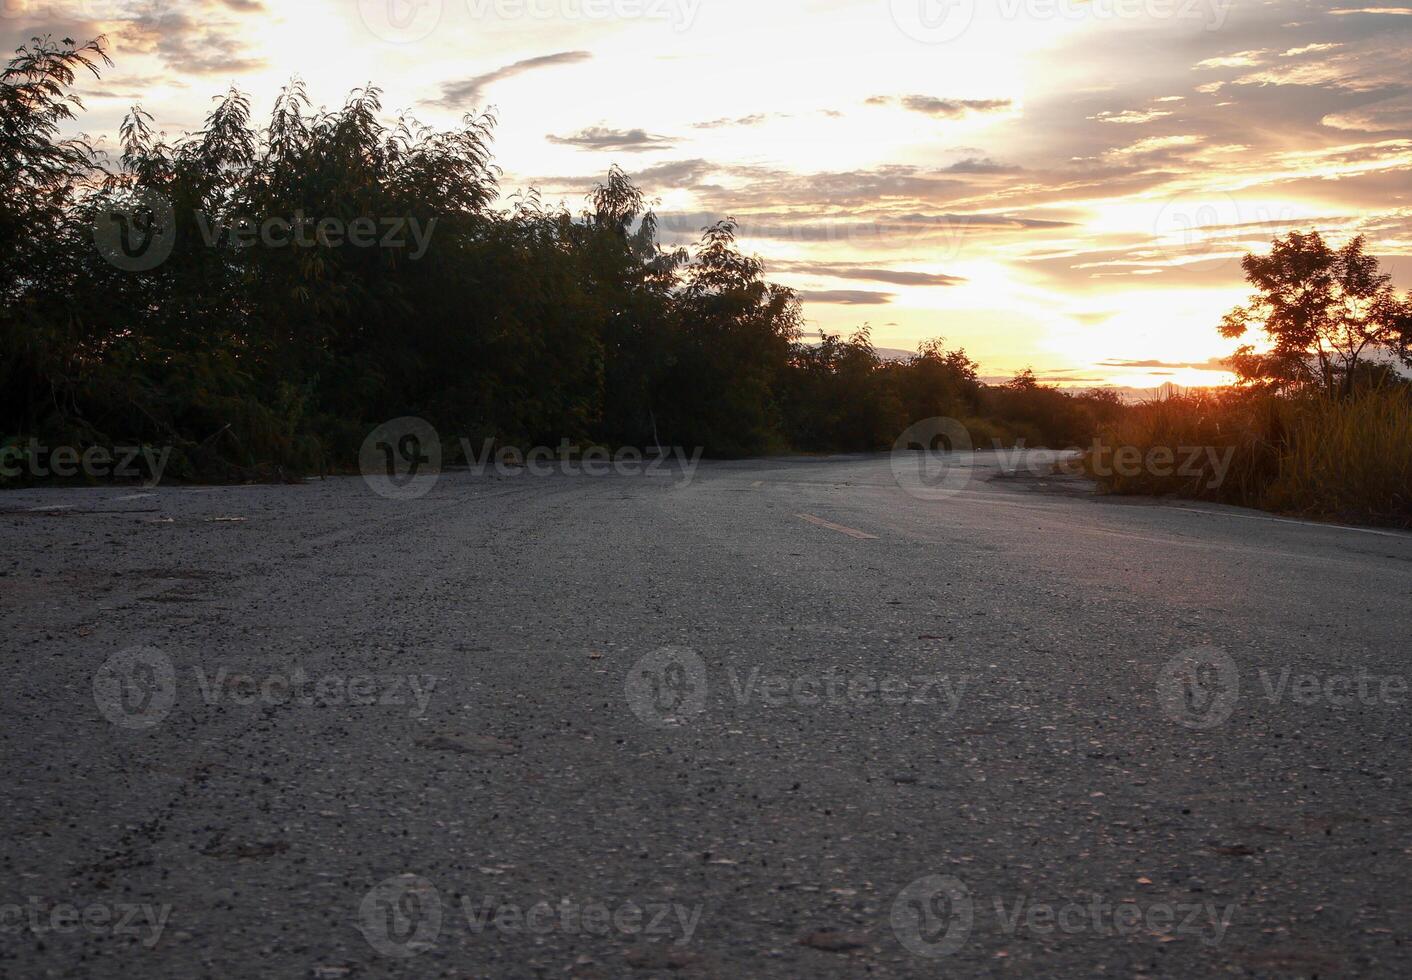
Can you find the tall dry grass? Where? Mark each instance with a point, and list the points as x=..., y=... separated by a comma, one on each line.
x=1347, y=459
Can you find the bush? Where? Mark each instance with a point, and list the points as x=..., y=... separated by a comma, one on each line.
x=1308, y=453
x=1350, y=458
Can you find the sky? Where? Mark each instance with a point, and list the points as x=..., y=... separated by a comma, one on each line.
x=1060, y=185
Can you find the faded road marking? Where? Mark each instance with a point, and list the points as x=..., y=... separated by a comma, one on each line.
x=852, y=532
x=1400, y=535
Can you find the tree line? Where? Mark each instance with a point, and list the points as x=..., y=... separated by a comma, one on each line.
x=257, y=298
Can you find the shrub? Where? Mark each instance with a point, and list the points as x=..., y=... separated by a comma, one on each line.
x=1309, y=453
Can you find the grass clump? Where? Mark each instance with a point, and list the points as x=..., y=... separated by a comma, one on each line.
x=1312, y=454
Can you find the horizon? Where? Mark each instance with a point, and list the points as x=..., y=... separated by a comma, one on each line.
x=857, y=562
x=1009, y=176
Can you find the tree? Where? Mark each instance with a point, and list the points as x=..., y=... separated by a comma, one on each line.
x=938, y=383
x=1325, y=311
x=41, y=176
x=39, y=172
x=271, y=333
x=1024, y=381
x=732, y=349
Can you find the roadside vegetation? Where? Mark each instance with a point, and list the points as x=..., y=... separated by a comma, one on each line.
x=270, y=293
x=1321, y=421
x=1340, y=458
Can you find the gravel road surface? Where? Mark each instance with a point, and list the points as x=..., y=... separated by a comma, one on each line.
x=785, y=718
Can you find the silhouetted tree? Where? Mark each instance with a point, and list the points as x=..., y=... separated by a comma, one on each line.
x=41, y=176
x=1324, y=312
x=264, y=342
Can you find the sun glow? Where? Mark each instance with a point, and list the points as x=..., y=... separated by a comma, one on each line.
x=1069, y=186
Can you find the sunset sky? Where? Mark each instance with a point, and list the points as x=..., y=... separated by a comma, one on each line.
x=1047, y=183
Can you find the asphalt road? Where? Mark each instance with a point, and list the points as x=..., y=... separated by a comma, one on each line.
x=785, y=719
